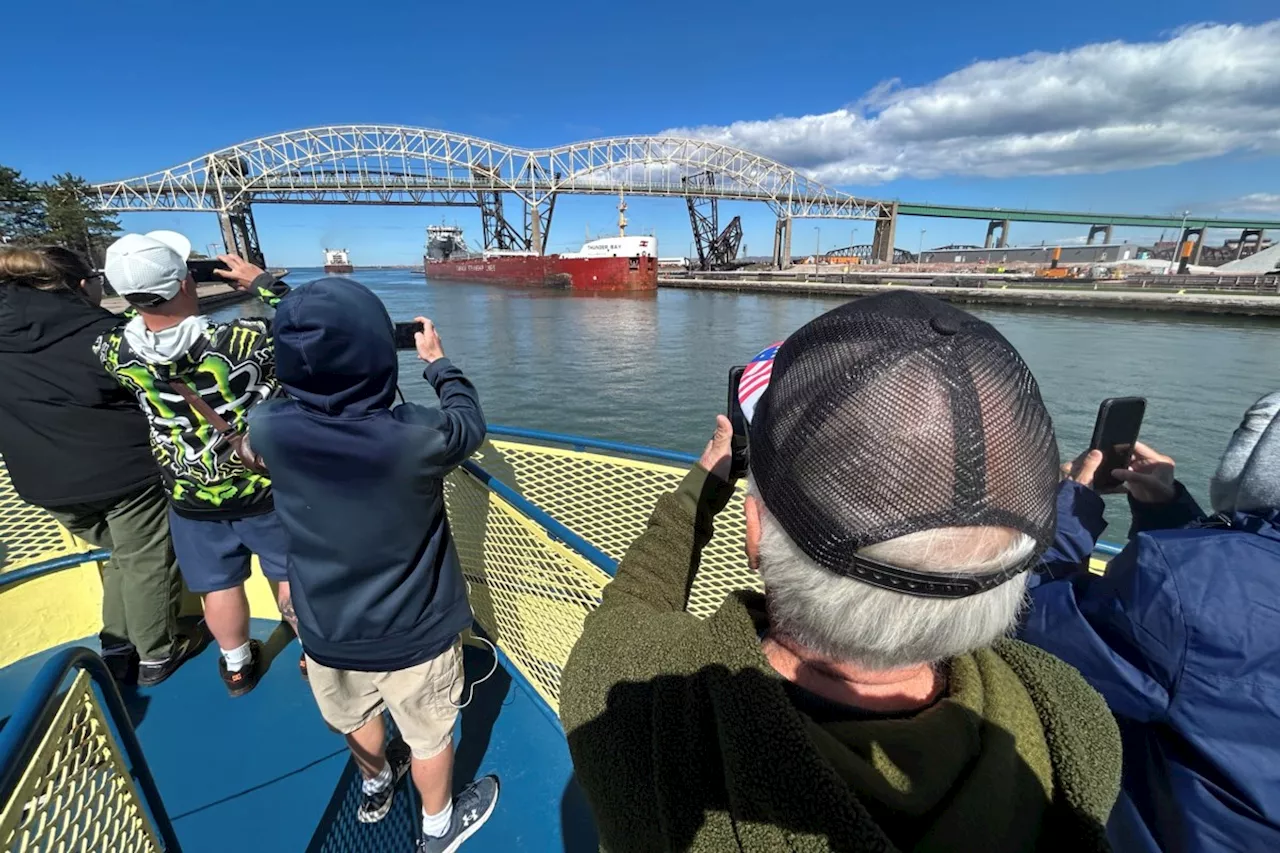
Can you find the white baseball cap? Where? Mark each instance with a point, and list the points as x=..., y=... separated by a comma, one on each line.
x=152, y=264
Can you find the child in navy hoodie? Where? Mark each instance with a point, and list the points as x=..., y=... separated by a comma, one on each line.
x=377, y=587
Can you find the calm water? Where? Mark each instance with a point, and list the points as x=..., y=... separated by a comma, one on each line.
x=651, y=369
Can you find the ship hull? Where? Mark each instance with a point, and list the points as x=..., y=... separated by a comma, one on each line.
x=338, y=269
x=636, y=273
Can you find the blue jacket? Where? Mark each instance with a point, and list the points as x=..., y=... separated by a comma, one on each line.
x=359, y=483
x=1182, y=638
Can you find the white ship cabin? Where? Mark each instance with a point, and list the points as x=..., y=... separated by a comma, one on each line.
x=643, y=246
x=336, y=258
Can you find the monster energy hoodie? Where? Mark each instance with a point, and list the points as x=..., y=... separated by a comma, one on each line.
x=232, y=367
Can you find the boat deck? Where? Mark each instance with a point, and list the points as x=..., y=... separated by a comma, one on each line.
x=263, y=772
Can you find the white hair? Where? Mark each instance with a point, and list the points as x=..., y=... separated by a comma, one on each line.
x=880, y=629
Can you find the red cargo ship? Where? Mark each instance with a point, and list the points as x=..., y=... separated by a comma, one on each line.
x=611, y=263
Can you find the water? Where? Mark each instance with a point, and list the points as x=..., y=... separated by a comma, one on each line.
x=651, y=368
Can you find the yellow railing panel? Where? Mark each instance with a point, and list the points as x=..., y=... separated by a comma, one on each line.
x=28, y=534
x=77, y=795
x=607, y=500
x=528, y=591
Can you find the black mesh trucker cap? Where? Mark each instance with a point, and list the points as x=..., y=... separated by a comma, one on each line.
x=895, y=414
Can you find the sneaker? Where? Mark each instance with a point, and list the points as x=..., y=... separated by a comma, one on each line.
x=150, y=674
x=240, y=683
x=470, y=811
x=374, y=807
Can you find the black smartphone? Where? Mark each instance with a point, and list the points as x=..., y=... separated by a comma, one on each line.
x=1114, y=433
x=202, y=270
x=405, y=333
x=734, y=412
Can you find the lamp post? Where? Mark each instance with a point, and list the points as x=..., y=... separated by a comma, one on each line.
x=1182, y=236
x=817, y=245
x=920, y=253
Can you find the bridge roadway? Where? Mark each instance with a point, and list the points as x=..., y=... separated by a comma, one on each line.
x=946, y=211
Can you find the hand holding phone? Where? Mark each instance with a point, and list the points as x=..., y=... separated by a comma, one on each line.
x=405, y=334
x=739, y=422
x=1115, y=434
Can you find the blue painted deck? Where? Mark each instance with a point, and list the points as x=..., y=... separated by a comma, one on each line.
x=264, y=773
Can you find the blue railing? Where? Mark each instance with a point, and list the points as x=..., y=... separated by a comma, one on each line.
x=577, y=442
x=35, y=570
x=21, y=735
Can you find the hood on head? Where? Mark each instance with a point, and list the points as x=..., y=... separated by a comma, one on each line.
x=335, y=349
x=1248, y=478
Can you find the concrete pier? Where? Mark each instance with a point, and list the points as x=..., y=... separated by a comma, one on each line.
x=1007, y=294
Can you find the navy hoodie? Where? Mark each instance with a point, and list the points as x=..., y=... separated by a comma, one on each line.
x=359, y=483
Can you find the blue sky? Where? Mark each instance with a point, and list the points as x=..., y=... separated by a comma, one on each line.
x=1139, y=106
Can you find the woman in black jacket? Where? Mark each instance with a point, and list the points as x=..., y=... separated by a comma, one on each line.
x=76, y=444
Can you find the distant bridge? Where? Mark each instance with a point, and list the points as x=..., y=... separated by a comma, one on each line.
x=391, y=165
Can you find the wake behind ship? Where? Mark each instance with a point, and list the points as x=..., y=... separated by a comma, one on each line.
x=610, y=263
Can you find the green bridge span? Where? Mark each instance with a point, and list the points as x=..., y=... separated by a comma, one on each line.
x=1125, y=219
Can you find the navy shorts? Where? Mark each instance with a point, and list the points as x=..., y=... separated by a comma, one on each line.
x=214, y=555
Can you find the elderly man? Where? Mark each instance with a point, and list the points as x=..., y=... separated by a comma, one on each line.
x=904, y=472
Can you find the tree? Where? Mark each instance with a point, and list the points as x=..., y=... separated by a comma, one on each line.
x=71, y=220
x=21, y=208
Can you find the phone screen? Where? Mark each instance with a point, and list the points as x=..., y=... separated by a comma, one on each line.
x=1114, y=433
x=405, y=333
x=201, y=270
x=733, y=410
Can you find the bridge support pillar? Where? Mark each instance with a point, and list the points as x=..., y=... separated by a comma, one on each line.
x=240, y=235
x=882, y=242
x=782, y=243
x=537, y=223
x=1002, y=225
x=1095, y=230
x=1252, y=236
x=1189, y=252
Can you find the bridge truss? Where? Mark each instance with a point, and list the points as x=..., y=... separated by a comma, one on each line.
x=379, y=164
x=867, y=252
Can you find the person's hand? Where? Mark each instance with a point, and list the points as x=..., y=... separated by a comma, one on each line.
x=241, y=273
x=1084, y=468
x=428, y=341
x=717, y=458
x=1150, y=476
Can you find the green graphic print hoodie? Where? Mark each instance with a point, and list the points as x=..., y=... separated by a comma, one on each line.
x=232, y=367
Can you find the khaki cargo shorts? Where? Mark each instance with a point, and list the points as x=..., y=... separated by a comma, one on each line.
x=421, y=699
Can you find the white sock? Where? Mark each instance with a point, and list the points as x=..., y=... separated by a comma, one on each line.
x=379, y=782
x=436, y=825
x=237, y=659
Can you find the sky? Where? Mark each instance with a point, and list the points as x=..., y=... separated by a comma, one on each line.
x=1144, y=106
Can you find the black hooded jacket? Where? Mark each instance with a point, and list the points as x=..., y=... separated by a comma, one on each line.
x=359, y=483
x=69, y=433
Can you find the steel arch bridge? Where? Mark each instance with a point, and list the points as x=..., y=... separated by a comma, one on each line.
x=867, y=252
x=384, y=164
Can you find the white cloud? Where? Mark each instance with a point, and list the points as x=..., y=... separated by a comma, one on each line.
x=1206, y=91
x=1255, y=203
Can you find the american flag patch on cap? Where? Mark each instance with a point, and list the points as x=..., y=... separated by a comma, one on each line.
x=755, y=378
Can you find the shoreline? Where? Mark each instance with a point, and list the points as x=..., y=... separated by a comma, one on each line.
x=1188, y=303
x=212, y=296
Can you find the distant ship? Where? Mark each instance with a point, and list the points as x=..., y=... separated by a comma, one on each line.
x=337, y=262
x=610, y=263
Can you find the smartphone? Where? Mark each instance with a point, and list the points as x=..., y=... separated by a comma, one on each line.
x=202, y=270
x=405, y=333
x=734, y=412
x=1114, y=433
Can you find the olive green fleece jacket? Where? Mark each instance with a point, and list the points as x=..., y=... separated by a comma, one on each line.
x=685, y=739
